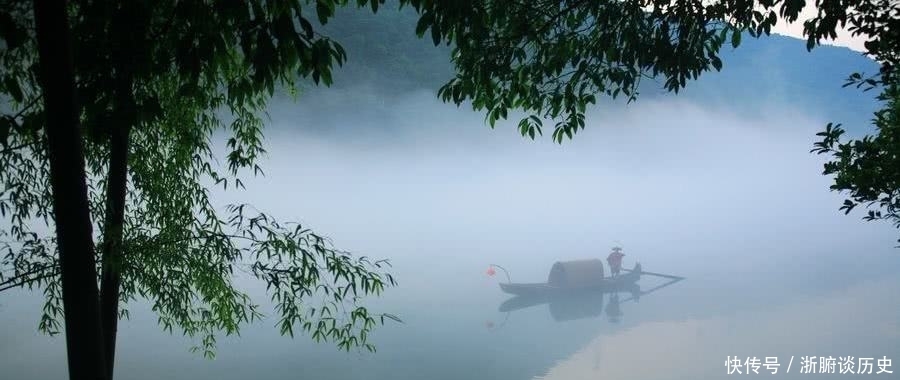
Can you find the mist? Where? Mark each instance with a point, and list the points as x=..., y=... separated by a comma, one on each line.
x=735, y=204
x=677, y=182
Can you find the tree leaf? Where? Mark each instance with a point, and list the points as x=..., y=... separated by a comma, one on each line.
x=5, y=127
x=423, y=23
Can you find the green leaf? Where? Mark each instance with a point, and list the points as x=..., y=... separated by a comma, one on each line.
x=5, y=126
x=736, y=38
x=435, y=34
x=324, y=10
x=10, y=33
x=307, y=27
x=423, y=23
x=13, y=89
x=716, y=63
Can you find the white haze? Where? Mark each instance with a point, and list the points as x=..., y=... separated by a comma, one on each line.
x=675, y=183
x=736, y=205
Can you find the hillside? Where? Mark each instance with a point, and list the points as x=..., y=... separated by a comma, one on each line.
x=777, y=71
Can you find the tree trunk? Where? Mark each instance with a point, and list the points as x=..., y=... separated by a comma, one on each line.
x=126, y=40
x=70, y=202
x=123, y=45
x=113, y=257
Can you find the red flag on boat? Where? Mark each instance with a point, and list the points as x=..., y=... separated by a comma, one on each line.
x=491, y=272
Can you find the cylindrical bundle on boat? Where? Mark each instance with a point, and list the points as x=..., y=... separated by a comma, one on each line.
x=576, y=273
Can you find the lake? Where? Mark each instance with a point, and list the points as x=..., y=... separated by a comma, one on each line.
x=772, y=268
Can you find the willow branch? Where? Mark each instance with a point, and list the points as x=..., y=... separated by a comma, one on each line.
x=10, y=284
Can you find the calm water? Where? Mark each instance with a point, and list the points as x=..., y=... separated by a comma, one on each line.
x=456, y=332
x=772, y=268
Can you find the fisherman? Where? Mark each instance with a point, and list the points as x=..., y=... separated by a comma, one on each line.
x=615, y=260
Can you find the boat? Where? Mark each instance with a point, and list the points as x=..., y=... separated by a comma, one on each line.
x=577, y=289
x=568, y=277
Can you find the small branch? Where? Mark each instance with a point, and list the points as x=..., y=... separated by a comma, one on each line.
x=31, y=272
x=10, y=149
x=196, y=237
x=28, y=106
x=544, y=28
x=4, y=287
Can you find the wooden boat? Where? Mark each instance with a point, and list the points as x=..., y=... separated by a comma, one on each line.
x=576, y=276
x=576, y=290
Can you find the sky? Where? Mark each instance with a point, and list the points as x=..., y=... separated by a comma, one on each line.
x=795, y=29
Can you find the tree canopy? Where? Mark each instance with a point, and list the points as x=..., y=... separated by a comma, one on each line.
x=551, y=58
x=868, y=169
x=154, y=81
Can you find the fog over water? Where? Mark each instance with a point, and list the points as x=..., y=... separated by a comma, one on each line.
x=735, y=204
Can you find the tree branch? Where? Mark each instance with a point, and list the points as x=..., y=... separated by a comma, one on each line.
x=17, y=147
x=10, y=284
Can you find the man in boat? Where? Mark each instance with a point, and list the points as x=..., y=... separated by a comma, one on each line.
x=615, y=261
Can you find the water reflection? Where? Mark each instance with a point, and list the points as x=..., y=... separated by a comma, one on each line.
x=861, y=321
x=577, y=315
x=581, y=304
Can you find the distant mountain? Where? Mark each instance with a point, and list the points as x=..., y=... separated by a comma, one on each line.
x=383, y=50
x=774, y=72
x=778, y=71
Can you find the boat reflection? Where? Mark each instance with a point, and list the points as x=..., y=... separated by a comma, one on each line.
x=575, y=305
x=583, y=304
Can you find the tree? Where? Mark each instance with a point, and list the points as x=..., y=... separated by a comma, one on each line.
x=869, y=168
x=151, y=88
x=550, y=59
x=73, y=226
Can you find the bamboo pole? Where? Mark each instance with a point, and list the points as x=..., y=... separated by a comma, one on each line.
x=669, y=276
